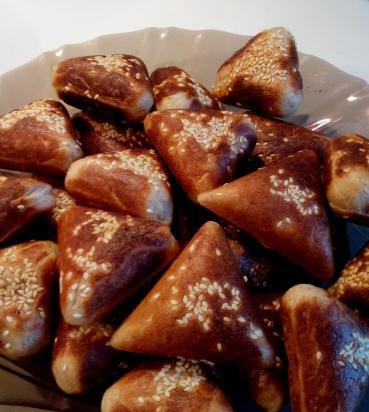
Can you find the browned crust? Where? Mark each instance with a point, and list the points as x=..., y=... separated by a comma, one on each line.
x=115, y=83
x=98, y=135
x=132, y=181
x=173, y=88
x=80, y=357
x=282, y=206
x=119, y=253
x=199, y=309
x=263, y=74
x=346, y=177
x=27, y=279
x=167, y=386
x=327, y=346
x=38, y=137
x=21, y=200
x=352, y=287
x=201, y=149
x=277, y=139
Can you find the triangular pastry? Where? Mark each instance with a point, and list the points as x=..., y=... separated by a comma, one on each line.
x=282, y=206
x=174, y=385
x=117, y=83
x=328, y=351
x=98, y=135
x=27, y=276
x=352, y=287
x=81, y=358
x=131, y=181
x=199, y=309
x=201, y=149
x=63, y=202
x=347, y=177
x=22, y=198
x=105, y=258
x=277, y=139
x=173, y=88
x=38, y=137
x=263, y=74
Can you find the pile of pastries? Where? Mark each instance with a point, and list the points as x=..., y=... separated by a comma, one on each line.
x=191, y=243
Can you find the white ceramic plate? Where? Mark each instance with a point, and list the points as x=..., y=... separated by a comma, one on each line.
x=334, y=103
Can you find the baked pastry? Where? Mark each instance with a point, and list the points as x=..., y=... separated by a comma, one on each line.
x=173, y=88
x=174, y=385
x=105, y=258
x=131, y=181
x=27, y=276
x=117, y=83
x=81, y=358
x=277, y=139
x=352, y=287
x=265, y=387
x=199, y=309
x=255, y=269
x=327, y=347
x=347, y=176
x=263, y=74
x=63, y=202
x=22, y=198
x=282, y=206
x=201, y=149
x=98, y=135
x=39, y=138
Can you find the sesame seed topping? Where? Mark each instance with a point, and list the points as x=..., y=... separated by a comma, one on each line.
x=42, y=111
x=355, y=353
x=290, y=192
x=318, y=355
x=184, y=374
x=219, y=347
x=8, y=345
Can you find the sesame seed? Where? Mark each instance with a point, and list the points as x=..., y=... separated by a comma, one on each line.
x=218, y=252
x=219, y=347
x=64, y=367
x=318, y=355
x=156, y=296
x=140, y=399
x=8, y=345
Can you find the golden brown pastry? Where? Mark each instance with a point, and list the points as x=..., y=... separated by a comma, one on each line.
x=277, y=139
x=105, y=258
x=22, y=198
x=327, y=347
x=174, y=385
x=117, y=83
x=81, y=358
x=263, y=74
x=347, y=177
x=27, y=277
x=201, y=149
x=38, y=137
x=131, y=181
x=63, y=202
x=352, y=287
x=173, y=88
x=199, y=309
x=98, y=135
x=282, y=206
